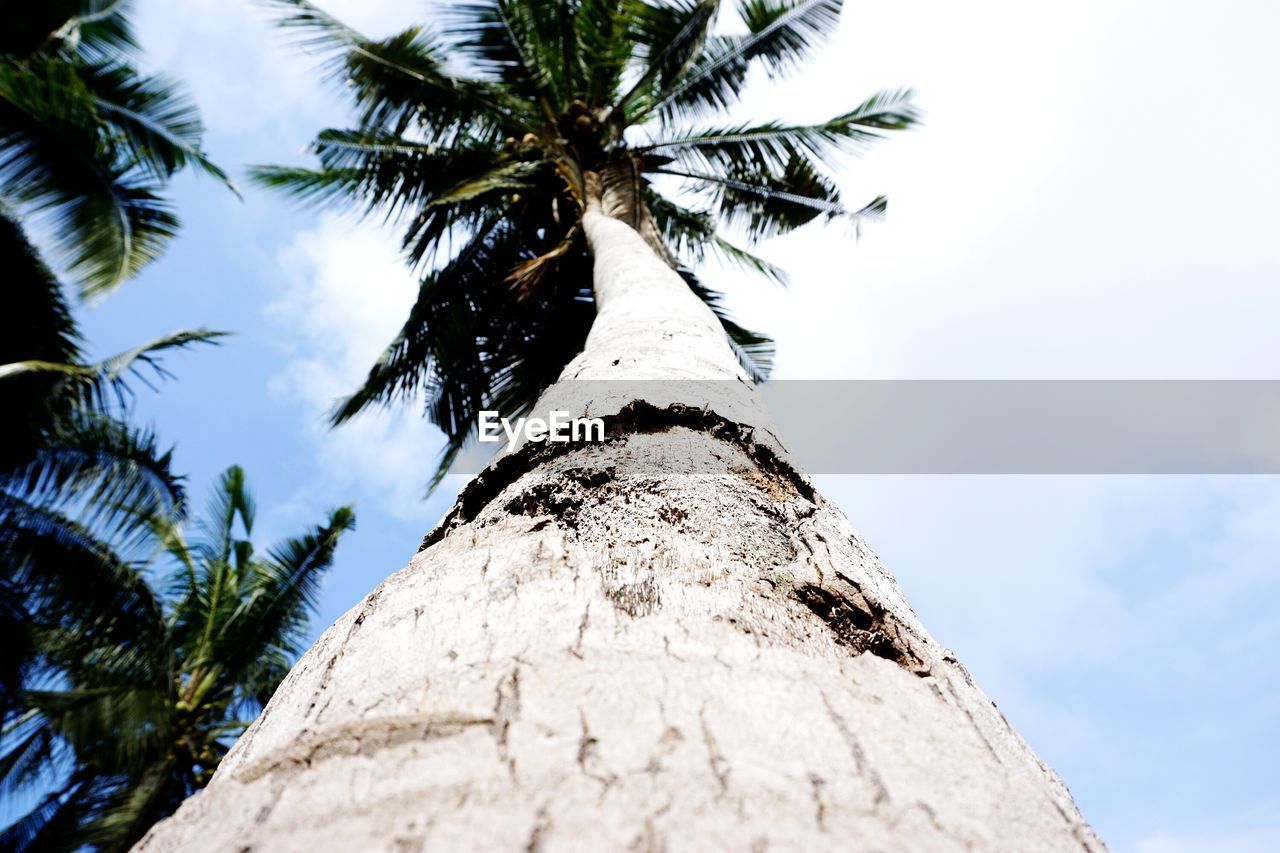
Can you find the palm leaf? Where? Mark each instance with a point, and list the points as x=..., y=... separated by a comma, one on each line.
x=601, y=28
x=767, y=203
x=521, y=43
x=230, y=500
x=36, y=326
x=54, y=158
x=274, y=600
x=754, y=350
x=783, y=32
x=126, y=812
x=24, y=764
x=105, y=386
x=780, y=33
x=66, y=572
x=116, y=472
x=160, y=126
x=400, y=80
x=694, y=238
x=52, y=823
x=774, y=145
x=100, y=28
x=671, y=39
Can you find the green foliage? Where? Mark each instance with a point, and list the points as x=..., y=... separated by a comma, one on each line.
x=89, y=141
x=481, y=159
x=144, y=675
x=121, y=682
x=74, y=475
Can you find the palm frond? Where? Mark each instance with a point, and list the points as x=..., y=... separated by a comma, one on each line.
x=780, y=33
x=104, y=387
x=754, y=350
x=158, y=123
x=18, y=641
x=127, y=811
x=447, y=189
x=711, y=85
x=115, y=472
x=768, y=203
x=694, y=237
x=670, y=39
x=52, y=823
x=274, y=600
x=100, y=29
x=117, y=721
x=470, y=345
x=399, y=81
x=91, y=144
x=404, y=370
x=601, y=27
x=37, y=326
x=66, y=571
x=31, y=750
x=54, y=159
x=313, y=186
x=774, y=144
x=518, y=176
x=37, y=323
x=229, y=501
x=90, y=28
x=783, y=32
x=520, y=43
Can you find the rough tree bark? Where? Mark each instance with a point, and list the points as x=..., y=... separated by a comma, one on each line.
x=664, y=641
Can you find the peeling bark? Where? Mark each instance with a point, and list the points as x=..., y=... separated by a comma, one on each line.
x=590, y=653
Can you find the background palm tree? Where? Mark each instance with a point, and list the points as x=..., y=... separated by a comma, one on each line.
x=478, y=137
x=75, y=477
x=86, y=145
x=135, y=713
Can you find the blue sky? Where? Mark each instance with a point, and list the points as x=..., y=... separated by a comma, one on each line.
x=1094, y=196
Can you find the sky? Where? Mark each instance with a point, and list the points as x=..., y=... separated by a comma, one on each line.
x=1092, y=196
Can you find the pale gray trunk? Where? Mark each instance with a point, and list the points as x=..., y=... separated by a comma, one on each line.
x=665, y=641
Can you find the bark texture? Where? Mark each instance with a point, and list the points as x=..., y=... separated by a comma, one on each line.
x=667, y=641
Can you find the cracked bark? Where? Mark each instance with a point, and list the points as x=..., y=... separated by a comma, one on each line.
x=667, y=641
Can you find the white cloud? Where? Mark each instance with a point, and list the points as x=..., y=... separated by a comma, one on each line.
x=345, y=293
x=1091, y=195
x=246, y=74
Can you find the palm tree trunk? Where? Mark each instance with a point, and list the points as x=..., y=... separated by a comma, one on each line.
x=667, y=640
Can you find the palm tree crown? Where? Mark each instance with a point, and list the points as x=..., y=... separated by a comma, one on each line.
x=478, y=137
x=138, y=709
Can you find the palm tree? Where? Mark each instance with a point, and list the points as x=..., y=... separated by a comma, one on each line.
x=86, y=145
x=140, y=712
x=666, y=639
x=72, y=470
